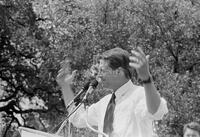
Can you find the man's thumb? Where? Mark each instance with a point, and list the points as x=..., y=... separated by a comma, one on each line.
x=147, y=57
x=74, y=73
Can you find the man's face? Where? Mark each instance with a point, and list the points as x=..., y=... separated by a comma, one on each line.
x=191, y=133
x=106, y=75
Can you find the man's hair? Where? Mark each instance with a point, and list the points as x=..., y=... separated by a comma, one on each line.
x=116, y=58
x=192, y=125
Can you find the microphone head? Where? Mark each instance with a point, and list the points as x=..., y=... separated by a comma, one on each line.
x=86, y=86
x=94, y=83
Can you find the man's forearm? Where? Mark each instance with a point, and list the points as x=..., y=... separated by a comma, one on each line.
x=67, y=93
x=152, y=97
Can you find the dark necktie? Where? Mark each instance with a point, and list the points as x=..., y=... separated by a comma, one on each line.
x=109, y=117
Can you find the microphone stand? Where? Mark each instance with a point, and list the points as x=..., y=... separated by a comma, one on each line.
x=72, y=101
x=76, y=108
x=68, y=116
x=86, y=120
x=73, y=111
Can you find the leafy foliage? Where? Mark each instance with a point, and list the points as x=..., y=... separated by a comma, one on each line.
x=37, y=35
x=27, y=68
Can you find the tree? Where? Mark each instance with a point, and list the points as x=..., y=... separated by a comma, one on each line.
x=167, y=30
x=37, y=35
x=26, y=68
x=170, y=33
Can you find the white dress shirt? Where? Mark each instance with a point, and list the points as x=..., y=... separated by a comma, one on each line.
x=131, y=117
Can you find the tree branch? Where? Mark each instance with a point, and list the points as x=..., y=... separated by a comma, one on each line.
x=169, y=48
x=40, y=120
x=8, y=98
x=7, y=128
x=190, y=67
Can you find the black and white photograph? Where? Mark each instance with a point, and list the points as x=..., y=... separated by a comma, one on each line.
x=99, y=68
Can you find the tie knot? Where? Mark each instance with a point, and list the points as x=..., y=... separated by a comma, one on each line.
x=113, y=95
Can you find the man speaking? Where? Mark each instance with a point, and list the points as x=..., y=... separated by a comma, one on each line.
x=130, y=110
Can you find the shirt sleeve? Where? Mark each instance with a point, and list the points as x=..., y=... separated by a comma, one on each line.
x=141, y=109
x=162, y=110
x=79, y=118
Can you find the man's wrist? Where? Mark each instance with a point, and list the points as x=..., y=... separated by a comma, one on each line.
x=148, y=80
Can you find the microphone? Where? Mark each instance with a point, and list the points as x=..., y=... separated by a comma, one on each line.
x=88, y=87
x=77, y=98
x=93, y=84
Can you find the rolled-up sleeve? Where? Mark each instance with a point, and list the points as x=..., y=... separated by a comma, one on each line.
x=142, y=110
x=161, y=111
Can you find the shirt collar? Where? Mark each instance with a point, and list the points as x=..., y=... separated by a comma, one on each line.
x=123, y=89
